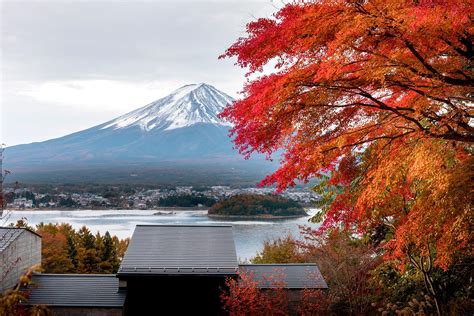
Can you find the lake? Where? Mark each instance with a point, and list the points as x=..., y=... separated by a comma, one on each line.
x=248, y=234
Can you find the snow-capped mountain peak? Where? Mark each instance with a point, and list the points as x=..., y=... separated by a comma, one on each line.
x=186, y=106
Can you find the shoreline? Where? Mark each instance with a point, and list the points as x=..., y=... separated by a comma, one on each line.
x=218, y=216
x=164, y=208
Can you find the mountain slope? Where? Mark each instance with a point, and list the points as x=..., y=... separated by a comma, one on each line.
x=181, y=129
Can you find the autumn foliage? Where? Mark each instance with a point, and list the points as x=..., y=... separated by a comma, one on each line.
x=244, y=297
x=66, y=250
x=375, y=98
x=344, y=261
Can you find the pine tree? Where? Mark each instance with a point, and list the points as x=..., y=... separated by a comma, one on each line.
x=72, y=250
x=88, y=259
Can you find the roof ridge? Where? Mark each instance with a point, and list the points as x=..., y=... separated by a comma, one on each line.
x=278, y=264
x=21, y=228
x=179, y=225
x=74, y=274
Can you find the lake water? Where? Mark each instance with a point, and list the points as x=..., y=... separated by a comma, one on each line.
x=248, y=234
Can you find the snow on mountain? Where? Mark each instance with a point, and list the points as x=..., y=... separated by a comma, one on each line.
x=186, y=106
x=176, y=136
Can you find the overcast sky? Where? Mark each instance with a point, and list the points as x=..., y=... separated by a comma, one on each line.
x=69, y=65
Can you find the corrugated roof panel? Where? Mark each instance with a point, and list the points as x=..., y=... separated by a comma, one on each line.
x=290, y=276
x=86, y=290
x=173, y=249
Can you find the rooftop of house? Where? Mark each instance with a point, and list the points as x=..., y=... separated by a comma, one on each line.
x=10, y=234
x=78, y=290
x=165, y=250
x=180, y=249
x=288, y=276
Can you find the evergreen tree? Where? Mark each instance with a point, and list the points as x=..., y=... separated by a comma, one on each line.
x=88, y=259
x=108, y=247
x=72, y=250
x=110, y=261
x=86, y=238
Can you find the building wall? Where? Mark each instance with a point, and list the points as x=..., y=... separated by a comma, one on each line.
x=23, y=253
x=85, y=311
x=295, y=297
x=178, y=294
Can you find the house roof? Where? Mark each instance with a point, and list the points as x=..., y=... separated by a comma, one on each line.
x=180, y=249
x=81, y=290
x=10, y=234
x=288, y=276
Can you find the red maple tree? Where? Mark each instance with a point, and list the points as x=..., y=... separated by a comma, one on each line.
x=375, y=97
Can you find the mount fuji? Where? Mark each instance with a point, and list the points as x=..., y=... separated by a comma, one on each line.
x=177, y=138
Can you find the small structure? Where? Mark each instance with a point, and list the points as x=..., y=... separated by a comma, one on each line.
x=294, y=278
x=20, y=249
x=77, y=294
x=176, y=264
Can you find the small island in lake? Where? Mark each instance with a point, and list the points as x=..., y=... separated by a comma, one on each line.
x=256, y=206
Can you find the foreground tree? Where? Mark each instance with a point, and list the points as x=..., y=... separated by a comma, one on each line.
x=12, y=301
x=379, y=94
x=344, y=262
x=374, y=97
x=243, y=296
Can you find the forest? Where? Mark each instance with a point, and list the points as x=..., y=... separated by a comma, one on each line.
x=186, y=200
x=256, y=205
x=360, y=281
x=67, y=250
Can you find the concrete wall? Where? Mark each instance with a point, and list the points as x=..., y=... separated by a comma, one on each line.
x=22, y=253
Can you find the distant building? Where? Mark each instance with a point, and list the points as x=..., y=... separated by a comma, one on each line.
x=174, y=269
x=22, y=203
x=20, y=249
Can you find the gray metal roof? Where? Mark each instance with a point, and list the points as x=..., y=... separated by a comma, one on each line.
x=87, y=290
x=9, y=234
x=289, y=276
x=180, y=249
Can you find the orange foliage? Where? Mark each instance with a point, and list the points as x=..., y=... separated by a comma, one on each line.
x=379, y=94
x=244, y=297
x=54, y=255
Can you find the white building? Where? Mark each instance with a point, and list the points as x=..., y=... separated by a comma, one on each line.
x=22, y=203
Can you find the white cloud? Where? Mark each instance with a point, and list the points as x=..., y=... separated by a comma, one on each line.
x=69, y=65
x=98, y=95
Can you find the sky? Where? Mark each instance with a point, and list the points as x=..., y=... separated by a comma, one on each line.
x=67, y=65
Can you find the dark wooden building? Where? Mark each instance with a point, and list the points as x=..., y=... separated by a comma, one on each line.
x=77, y=294
x=174, y=268
x=294, y=278
x=181, y=267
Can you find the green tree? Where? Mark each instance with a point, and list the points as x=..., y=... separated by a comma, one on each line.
x=87, y=253
x=281, y=250
x=110, y=262
x=72, y=250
